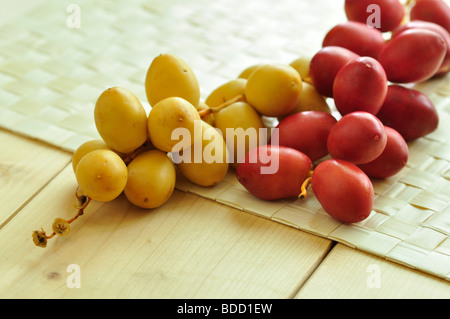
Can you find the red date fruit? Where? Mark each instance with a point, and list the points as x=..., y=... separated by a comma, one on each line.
x=391, y=12
x=408, y=111
x=392, y=160
x=324, y=66
x=358, y=137
x=357, y=37
x=284, y=180
x=344, y=190
x=306, y=132
x=360, y=85
x=436, y=11
x=418, y=24
x=413, y=56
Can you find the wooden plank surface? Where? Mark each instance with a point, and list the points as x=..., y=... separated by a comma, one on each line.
x=347, y=273
x=191, y=247
x=25, y=167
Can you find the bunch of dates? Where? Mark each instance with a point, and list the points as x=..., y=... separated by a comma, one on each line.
x=367, y=70
x=367, y=66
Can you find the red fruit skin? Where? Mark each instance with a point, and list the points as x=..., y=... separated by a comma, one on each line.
x=436, y=11
x=358, y=137
x=286, y=182
x=324, y=66
x=344, y=190
x=391, y=12
x=306, y=132
x=357, y=37
x=392, y=160
x=360, y=85
x=419, y=24
x=409, y=112
x=413, y=56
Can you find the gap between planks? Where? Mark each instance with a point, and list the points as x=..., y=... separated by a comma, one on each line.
x=45, y=184
x=25, y=203
x=313, y=269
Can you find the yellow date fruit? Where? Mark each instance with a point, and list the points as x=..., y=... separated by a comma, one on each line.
x=273, y=89
x=102, y=175
x=166, y=117
x=205, y=163
x=226, y=92
x=151, y=179
x=87, y=147
x=301, y=64
x=243, y=124
x=245, y=74
x=121, y=120
x=310, y=100
x=169, y=75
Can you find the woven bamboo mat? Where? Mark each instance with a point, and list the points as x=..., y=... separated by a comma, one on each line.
x=56, y=60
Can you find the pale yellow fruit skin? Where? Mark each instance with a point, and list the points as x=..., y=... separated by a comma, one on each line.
x=245, y=74
x=166, y=116
x=273, y=89
x=102, y=175
x=226, y=92
x=239, y=115
x=311, y=100
x=204, y=173
x=169, y=75
x=301, y=64
x=121, y=119
x=151, y=179
x=87, y=147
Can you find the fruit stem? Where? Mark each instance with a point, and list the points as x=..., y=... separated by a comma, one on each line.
x=237, y=98
x=305, y=185
x=204, y=112
x=40, y=237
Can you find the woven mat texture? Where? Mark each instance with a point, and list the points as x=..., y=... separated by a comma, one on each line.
x=58, y=58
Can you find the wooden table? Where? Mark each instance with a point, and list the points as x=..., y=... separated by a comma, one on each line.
x=190, y=248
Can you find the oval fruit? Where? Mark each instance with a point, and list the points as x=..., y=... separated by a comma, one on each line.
x=324, y=66
x=413, y=56
x=120, y=119
x=240, y=126
x=393, y=158
x=301, y=64
x=166, y=117
x=408, y=111
x=226, y=92
x=391, y=13
x=357, y=37
x=344, y=190
x=310, y=100
x=206, y=162
x=436, y=11
x=151, y=179
x=102, y=175
x=245, y=74
x=169, y=75
x=306, y=132
x=273, y=89
x=418, y=24
x=87, y=147
x=360, y=85
x=272, y=172
x=358, y=137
